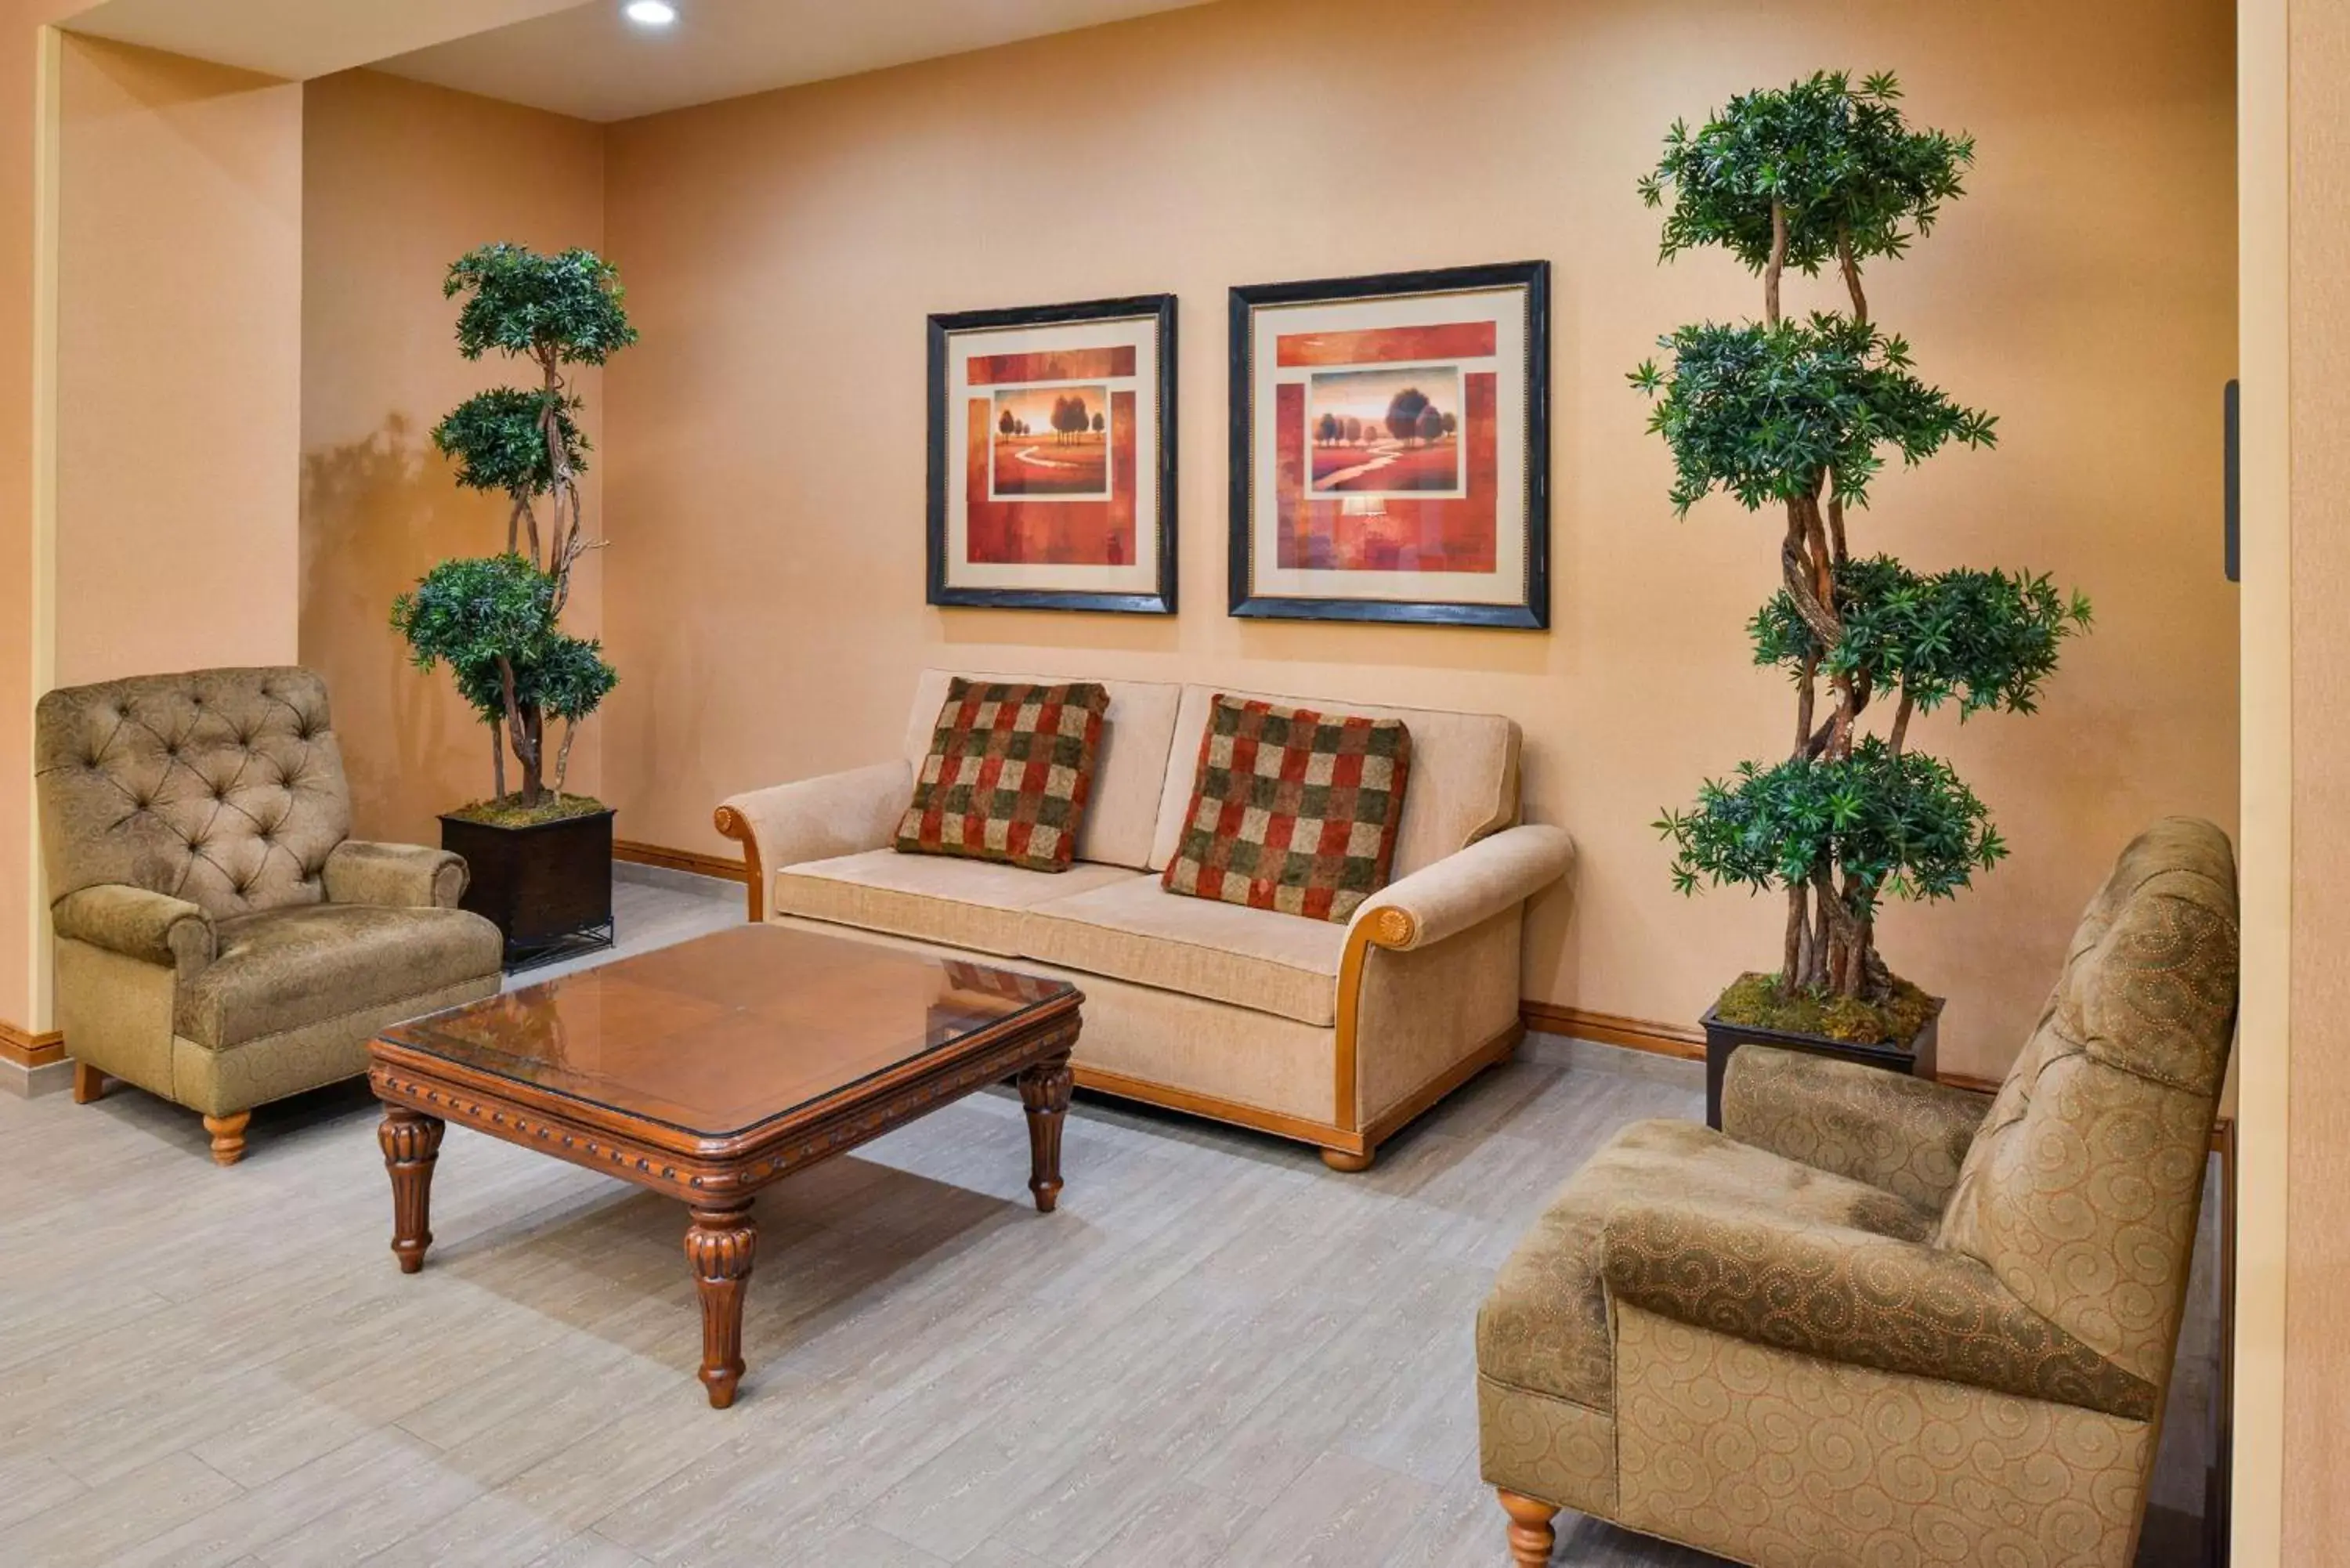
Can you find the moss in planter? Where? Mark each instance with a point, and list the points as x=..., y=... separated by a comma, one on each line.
x=508, y=811
x=1754, y=1001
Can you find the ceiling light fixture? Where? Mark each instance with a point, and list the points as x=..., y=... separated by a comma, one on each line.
x=650, y=13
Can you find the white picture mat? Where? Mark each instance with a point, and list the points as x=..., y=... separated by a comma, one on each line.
x=1139, y=576
x=1269, y=323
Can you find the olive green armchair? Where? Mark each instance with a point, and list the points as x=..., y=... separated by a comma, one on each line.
x=1875, y=1320
x=222, y=940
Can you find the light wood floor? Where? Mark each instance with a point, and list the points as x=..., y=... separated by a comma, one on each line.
x=1217, y=1352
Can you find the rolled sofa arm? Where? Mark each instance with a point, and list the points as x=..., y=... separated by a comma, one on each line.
x=394, y=876
x=1851, y=1295
x=153, y=927
x=1458, y=891
x=814, y=820
x=1907, y=1135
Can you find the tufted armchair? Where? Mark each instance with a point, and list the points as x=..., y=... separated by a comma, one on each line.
x=1879, y=1321
x=222, y=940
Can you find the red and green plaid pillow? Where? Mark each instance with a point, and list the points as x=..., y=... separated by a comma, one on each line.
x=1292, y=810
x=1010, y=767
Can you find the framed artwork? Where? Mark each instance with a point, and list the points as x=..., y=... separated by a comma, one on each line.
x=1390, y=448
x=1052, y=457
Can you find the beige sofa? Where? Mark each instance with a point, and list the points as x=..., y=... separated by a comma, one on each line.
x=1334, y=1034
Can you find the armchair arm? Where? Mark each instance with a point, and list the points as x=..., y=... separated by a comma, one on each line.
x=814, y=820
x=153, y=927
x=394, y=876
x=1907, y=1135
x=1849, y=1295
x=1458, y=891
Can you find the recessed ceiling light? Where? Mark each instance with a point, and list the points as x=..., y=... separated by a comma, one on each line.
x=650, y=13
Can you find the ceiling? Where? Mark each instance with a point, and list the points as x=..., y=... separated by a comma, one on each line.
x=298, y=38
x=587, y=61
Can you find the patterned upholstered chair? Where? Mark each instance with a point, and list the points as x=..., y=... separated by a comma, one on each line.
x=1875, y=1320
x=222, y=940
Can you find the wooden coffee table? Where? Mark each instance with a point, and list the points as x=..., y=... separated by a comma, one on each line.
x=707, y=1070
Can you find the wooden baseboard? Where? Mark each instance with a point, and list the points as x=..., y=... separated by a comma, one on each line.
x=1615, y=1029
x=23, y=1048
x=726, y=867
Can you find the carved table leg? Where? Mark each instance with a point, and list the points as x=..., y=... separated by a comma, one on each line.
x=411, y=1142
x=1044, y=1091
x=1531, y=1532
x=720, y=1244
x=228, y=1137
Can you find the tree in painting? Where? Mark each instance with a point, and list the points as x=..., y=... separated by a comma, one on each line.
x=1798, y=417
x=496, y=620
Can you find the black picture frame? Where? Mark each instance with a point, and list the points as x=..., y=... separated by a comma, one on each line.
x=943, y=328
x=1534, y=613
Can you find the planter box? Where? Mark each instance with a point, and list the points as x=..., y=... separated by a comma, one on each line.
x=1722, y=1038
x=548, y=886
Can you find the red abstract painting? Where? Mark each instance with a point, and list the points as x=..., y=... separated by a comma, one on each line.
x=1391, y=533
x=1011, y=531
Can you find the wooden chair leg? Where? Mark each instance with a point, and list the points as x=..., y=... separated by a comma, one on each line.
x=228, y=1137
x=89, y=1084
x=1530, y=1534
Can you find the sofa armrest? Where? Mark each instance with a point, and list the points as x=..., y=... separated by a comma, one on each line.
x=153, y=927
x=1465, y=889
x=395, y=876
x=1907, y=1135
x=1849, y=1295
x=814, y=820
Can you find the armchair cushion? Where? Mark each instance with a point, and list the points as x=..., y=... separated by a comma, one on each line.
x=284, y=968
x=152, y=926
x=395, y=876
x=1545, y=1327
x=1906, y=1134
x=1845, y=1295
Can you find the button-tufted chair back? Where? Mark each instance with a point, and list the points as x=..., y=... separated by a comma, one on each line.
x=2080, y=1191
x=223, y=787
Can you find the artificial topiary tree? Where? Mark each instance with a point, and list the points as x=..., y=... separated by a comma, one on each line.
x=495, y=620
x=1798, y=417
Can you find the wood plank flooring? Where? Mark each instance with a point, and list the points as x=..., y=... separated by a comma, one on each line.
x=1216, y=1352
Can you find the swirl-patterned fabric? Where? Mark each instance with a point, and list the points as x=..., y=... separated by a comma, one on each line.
x=223, y=787
x=1904, y=1329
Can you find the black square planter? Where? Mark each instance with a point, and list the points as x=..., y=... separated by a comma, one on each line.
x=1722, y=1038
x=548, y=886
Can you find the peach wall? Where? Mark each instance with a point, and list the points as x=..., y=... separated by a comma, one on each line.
x=400, y=179
x=782, y=251
x=179, y=353
x=20, y=51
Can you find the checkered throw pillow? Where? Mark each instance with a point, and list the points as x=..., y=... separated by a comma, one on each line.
x=1292, y=810
x=1009, y=770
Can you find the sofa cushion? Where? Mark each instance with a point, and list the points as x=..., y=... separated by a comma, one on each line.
x=975, y=903
x=1010, y=768
x=1292, y=810
x=1464, y=776
x=288, y=968
x=1134, y=929
x=1544, y=1326
x=1128, y=773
